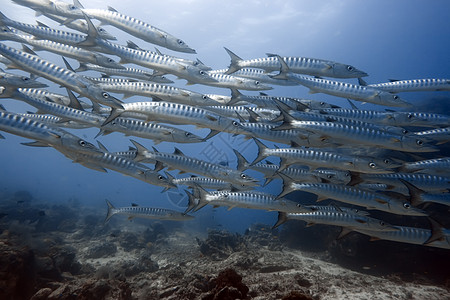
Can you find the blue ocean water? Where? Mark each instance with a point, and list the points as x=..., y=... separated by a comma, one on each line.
x=389, y=40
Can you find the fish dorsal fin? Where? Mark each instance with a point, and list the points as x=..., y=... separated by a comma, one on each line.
x=436, y=232
x=68, y=66
x=241, y=118
x=234, y=64
x=77, y=4
x=284, y=70
x=263, y=94
x=134, y=205
x=242, y=162
x=353, y=106
x=112, y=9
x=74, y=103
x=133, y=45
x=157, y=51
x=178, y=152
x=28, y=50
x=141, y=150
x=282, y=217
x=39, y=23
x=253, y=115
x=362, y=82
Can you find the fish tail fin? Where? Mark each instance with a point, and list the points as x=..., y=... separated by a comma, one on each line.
x=282, y=217
x=414, y=193
x=242, y=162
x=284, y=70
x=192, y=202
x=355, y=178
x=235, y=97
x=115, y=112
x=111, y=210
x=261, y=150
x=83, y=67
x=234, y=65
x=170, y=178
x=200, y=194
x=287, y=186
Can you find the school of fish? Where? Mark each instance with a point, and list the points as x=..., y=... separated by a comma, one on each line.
x=372, y=159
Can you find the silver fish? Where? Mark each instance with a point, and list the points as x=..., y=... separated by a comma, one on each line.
x=413, y=85
x=302, y=65
x=146, y=212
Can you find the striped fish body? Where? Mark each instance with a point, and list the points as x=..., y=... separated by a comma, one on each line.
x=265, y=114
x=369, y=116
x=180, y=114
x=410, y=235
x=253, y=200
x=350, y=91
x=441, y=135
x=125, y=72
x=414, y=85
x=234, y=82
x=426, y=182
x=122, y=165
x=146, y=212
x=363, y=133
x=159, y=91
x=155, y=61
x=52, y=72
x=55, y=121
x=257, y=75
x=13, y=80
x=346, y=220
x=356, y=196
x=420, y=119
x=44, y=133
x=139, y=29
x=430, y=166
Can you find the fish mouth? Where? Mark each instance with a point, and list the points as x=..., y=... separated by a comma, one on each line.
x=362, y=74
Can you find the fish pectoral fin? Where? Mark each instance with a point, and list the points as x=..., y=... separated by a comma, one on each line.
x=35, y=144
x=360, y=221
x=321, y=198
x=311, y=91
x=344, y=231
x=394, y=140
x=211, y=118
x=327, y=67
x=374, y=238
x=309, y=224
x=381, y=201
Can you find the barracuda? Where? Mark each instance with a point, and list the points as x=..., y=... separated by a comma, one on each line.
x=187, y=164
x=438, y=237
x=246, y=199
x=44, y=134
x=205, y=183
x=258, y=75
x=352, y=195
x=128, y=167
x=262, y=114
x=442, y=135
x=179, y=114
x=196, y=63
x=158, y=133
x=425, y=182
x=316, y=158
x=413, y=85
x=302, y=65
x=14, y=80
x=146, y=212
x=234, y=82
x=46, y=69
x=159, y=92
x=70, y=51
x=356, y=132
x=55, y=121
x=418, y=196
x=160, y=63
x=348, y=221
x=433, y=166
x=139, y=29
x=124, y=71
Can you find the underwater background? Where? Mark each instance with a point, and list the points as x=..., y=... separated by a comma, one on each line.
x=387, y=39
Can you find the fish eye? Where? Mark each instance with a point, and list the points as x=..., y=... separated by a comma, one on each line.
x=180, y=42
x=257, y=82
x=73, y=7
x=82, y=143
x=25, y=78
x=329, y=176
x=110, y=60
x=350, y=68
x=235, y=123
x=202, y=72
x=243, y=176
x=386, y=161
x=187, y=134
x=322, y=103
x=395, y=97
x=101, y=29
x=419, y=142
x=160, y=177
x=204, y=97
x=404, y=131
x=372, y=165
x=409, y=116
x=105, y=95
x=406, y=205
x=382, y=223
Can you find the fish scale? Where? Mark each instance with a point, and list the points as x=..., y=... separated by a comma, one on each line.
x=229, y=81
